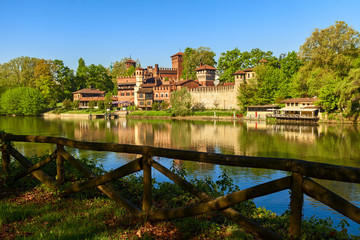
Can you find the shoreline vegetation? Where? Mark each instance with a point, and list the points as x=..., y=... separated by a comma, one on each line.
x=29, y=210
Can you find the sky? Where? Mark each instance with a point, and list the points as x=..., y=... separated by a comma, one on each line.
x=102, y=32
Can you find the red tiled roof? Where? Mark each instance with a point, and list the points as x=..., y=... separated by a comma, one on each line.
x=90, y=90
x=177, y=54
x=239, y=73
x=249, y=70
x=297, y=100
x=130, y=61
x=88, y=99
x=263, y=61
x=228, y=84
x=183, y=82
x=139, y=68
x=205, y=67
x=266, y=106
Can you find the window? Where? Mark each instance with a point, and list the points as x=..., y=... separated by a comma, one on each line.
x=141, y=103
x=253, y=75
x=248, y=75
x=166, y=95
x=162, y=95
x=122, y=94
x=296, y=104
x=141, y=95
x=127, y=93
x=292, y=104
x=288, y=104
x=156, y=95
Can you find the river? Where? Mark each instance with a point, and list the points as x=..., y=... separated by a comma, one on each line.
x=333, y=144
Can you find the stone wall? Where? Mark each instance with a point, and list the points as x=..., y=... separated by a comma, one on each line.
x=224, y=96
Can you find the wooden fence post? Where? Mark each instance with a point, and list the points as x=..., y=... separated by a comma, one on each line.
x=147, y=199
x=5, y=161
x=296, y=204
x=60, y=172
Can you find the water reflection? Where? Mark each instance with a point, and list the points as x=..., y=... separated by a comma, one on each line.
x=334, y=144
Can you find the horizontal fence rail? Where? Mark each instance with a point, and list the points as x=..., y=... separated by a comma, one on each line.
x=299, y=182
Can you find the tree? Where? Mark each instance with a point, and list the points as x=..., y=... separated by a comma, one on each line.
x=81, y=75
x=155, y=106
x=334, y=47
x=18, y=72
x=23, y=101
x=349, y=99
x=44, y=80
x=75, y=104
x=92, y=104
x=98, y=77
x=181, y=102
x=235, y=60
x=65, y=78
x=192, y=59
x=164, y=105
x=66, y=104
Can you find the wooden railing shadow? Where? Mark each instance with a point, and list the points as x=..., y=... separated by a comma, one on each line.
x=299, y=182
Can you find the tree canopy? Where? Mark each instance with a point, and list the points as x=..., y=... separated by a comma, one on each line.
x=235, y=60
x=192, y=59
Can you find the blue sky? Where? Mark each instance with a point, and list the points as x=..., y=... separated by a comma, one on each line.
x=104, y=31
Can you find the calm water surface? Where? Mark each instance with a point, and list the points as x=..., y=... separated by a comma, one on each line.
x=334, y=144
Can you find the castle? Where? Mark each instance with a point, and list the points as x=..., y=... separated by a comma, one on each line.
x=154, y=84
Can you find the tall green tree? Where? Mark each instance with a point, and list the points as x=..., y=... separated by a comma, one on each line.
x=235, y=60
x=334, y=47
x=65, y=78
x=44, y=80
x=81, y=75
x=18, y=72
x=98, y=77
x=192, y=59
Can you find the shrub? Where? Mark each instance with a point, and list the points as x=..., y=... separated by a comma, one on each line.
x=75, y=104
x=23, y=101
x=181, y=102
x=164, y=105
x=101, y=105
x=66, y=104
x=155, y=106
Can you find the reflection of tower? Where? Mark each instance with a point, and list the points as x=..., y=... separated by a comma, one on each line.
x=139, y=73
x=137, y=137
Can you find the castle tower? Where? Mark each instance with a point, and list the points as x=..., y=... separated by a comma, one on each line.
x=130, y=63
x=139, y=74
x=177, y=60
x=206, y=75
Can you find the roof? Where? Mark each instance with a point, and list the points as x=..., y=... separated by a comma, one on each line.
x=177, y=54
x=263, y=61
x=90, y=90
x=139, y=68
x=184, y=81
x=239, y=73
x=228, y=84
x=88, y=99
x=205, y=67
x=130, y=61
x=126, y=84
x=145, y=90
x=297, y=100
x=265, y=106
x=249, y=70
x=300, y=109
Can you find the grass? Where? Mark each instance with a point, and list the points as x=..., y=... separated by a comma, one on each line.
x=150, y=113
x=28, y=210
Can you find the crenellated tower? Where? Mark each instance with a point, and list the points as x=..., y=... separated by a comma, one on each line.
x=177, y=60
x=139, y=74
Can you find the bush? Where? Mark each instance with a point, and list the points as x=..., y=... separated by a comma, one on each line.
x=198, y=106
x=164, y=105
x=66, y=104
x=101, y=105
x=155, y=106
x=92, y=104
x=23, y=101
x=75, y=104
x=181, y=102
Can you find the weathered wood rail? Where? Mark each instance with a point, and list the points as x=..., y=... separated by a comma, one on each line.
x=299, y=182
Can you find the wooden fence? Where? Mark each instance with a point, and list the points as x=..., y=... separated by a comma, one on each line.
x=299, y=182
